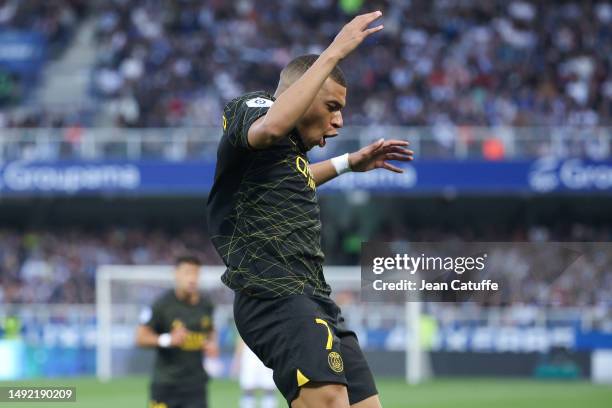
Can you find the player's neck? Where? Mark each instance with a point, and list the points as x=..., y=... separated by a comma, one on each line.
x=184, y=296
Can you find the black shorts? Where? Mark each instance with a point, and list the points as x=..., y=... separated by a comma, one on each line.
x=166, y=396
x=303, y=339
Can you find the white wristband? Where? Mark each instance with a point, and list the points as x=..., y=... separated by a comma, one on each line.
x=341, y=164
x=164, y=340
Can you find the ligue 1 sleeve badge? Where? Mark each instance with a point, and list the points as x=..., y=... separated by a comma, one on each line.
x=335, y=362
x=259, y=103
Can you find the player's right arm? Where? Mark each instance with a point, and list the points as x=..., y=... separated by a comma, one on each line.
x=146, y=337
x=150, y=334
x=291, y=105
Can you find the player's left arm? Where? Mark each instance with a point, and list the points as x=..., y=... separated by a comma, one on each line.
x=374, y=156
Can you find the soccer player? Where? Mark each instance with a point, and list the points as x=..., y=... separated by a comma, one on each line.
x=254, y=376
x=264, y=221
x=179, y=326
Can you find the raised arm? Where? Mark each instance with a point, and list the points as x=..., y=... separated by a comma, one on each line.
x=291, y=105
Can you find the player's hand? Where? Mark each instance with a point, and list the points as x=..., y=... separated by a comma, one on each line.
x=353, y=33
x=178, y=336
x=377, y=155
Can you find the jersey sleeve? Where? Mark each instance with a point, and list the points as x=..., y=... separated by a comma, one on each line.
x=152, y=317
x=241, y=113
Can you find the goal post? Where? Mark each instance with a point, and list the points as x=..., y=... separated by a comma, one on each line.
x=414, y=360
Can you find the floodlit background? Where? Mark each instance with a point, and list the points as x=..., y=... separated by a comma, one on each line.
x=109, y=119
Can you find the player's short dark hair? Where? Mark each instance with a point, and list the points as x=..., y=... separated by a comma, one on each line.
x=187, y=259
x=297, y=66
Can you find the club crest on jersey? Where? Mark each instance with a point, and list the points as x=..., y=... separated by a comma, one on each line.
x=335, y=362
x=205, y=322
x=259, y=103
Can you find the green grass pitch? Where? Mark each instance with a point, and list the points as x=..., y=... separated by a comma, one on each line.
x=440, y=393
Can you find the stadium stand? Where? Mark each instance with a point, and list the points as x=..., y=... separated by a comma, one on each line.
x=47, y=27
x=476, y=62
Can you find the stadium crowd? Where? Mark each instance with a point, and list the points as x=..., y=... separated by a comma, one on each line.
x=59, y=266
x=56, y=20
x=440, y=63
x=477, y=62
x=54, y=23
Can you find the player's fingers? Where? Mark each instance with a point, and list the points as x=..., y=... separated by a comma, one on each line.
x=379, y=144
x=397, y=149
x=373, y=30
x=391, y=167
x=398, y=157
x=397, y=154
x=396, y=142
x=366, y=19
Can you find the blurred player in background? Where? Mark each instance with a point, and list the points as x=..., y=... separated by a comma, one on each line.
x=253, y=376
x=180, y=326
x=263, y=216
